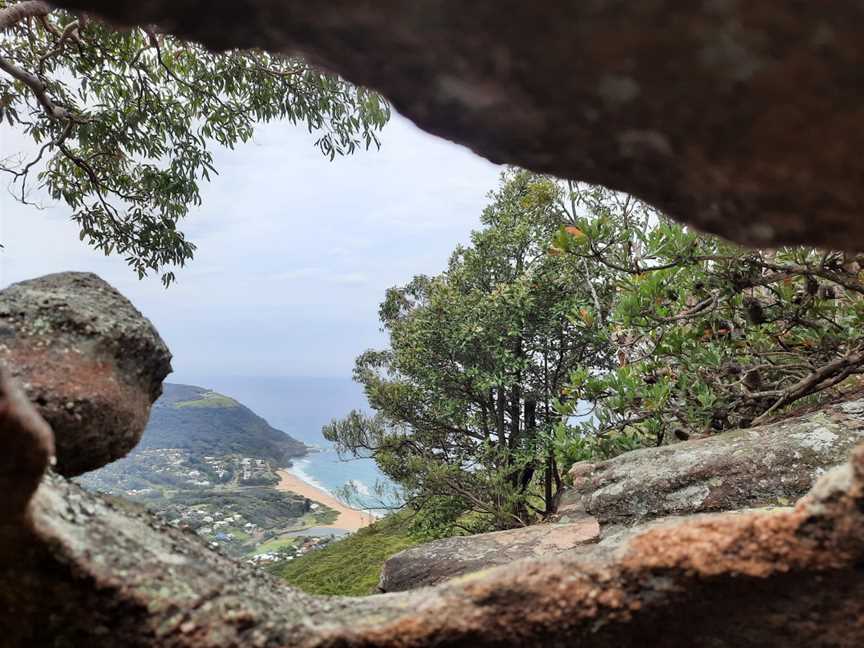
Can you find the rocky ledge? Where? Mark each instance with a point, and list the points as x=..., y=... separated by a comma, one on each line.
x=436, y=562
x=769, y=468
x=771, y=465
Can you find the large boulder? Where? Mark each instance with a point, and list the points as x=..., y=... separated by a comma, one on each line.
x=771, y=465
x=85, y=570
x=441, y=560
x=742, y=120
x=88, y=360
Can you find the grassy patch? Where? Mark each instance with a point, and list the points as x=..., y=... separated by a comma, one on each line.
x=323, y=516
x=349, y=567
x=239, y=534
x=275, y=544
x=208, y=399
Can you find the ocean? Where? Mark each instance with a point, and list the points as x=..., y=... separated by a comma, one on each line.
x=301, y=407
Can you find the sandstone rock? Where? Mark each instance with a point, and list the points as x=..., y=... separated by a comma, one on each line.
x=436, y=562
x=85, y=570
x=770, y=465
x=741, y=120
x=27, y=449
x=88, y=360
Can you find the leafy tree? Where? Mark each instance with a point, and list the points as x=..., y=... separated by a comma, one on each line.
x=708, y=336
x=124, y=121
x=478, y=355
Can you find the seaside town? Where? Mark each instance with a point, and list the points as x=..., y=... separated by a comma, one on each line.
x=208, y=464
x=230, y=501
x=149, y=472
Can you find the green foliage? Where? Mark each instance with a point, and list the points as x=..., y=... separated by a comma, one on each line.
x=214, y=430
x=581, y=323
x=124, y=121
x=276, y=544
x=350, y=567
x=582, y=443
x=323, y=516
x=266, y=507
x=208, y=399
x=477, y=356
x=708, y=336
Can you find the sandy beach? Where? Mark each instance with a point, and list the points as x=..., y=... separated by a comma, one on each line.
x=349, y=519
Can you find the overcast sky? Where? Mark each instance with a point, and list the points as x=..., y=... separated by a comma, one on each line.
x=294, y=252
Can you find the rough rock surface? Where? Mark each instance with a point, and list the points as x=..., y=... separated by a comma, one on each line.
x=26, y=452
x=743, y=120
x=84, y=570
x=88, y=359
x=436, y=562
x=771, y=465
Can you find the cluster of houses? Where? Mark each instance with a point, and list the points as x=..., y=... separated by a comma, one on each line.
x=168, y=462
x=145, y=472
x=215, y=523
x=289, y=553
x=221, y=467
x=253, y=469
x=246, y=468
x=168, y=479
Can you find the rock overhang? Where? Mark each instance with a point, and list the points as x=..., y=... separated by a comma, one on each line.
x=741, y=120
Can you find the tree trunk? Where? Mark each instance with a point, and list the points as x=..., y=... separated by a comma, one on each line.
x=556, y=473
x=499, y=418
x=548, y=497
x=530, y=430
x=515, y=414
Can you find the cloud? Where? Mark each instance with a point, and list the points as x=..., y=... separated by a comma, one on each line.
x=322, y=275
x=294, y=251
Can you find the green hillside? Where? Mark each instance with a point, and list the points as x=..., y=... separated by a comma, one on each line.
x=208, y=463
x=349, y=567
x=207, y=423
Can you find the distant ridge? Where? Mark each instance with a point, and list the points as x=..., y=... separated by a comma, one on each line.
x=208, y=423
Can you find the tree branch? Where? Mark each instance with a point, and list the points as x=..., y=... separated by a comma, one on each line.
x=61, y=43
x=833, y=372
x=18, y=12
x=37, y=86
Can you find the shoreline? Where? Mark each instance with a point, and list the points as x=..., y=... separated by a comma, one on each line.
x=349, y=519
